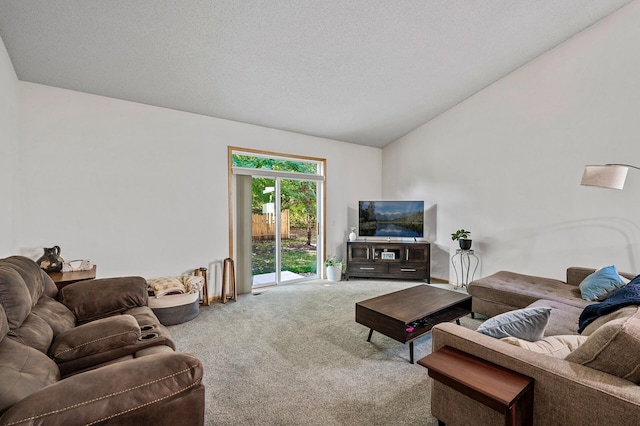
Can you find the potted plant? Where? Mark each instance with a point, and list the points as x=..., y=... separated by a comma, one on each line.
x=334, y=268
x=462, y=235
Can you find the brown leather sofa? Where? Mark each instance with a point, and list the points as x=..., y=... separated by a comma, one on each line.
x=94, y=353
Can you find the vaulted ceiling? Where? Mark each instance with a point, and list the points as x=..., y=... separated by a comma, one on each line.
x=360, y=71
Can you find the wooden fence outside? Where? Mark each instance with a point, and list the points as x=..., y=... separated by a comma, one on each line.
x=263, y=226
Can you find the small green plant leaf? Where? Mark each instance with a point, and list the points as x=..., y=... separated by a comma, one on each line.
x=460, y=234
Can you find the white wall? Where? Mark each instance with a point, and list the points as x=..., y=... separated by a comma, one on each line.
x=506, y=163
x=143, y=190
x=9, y=155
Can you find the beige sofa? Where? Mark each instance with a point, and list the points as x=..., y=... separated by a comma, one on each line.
x=565, y=392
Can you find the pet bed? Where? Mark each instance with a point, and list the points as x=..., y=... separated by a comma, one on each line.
x=175, y=300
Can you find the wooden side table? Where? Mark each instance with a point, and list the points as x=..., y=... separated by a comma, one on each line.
x=64, y=278
x=496, y=387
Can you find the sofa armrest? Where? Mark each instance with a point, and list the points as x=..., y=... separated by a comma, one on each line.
x=95, y=337
x=576, y=274
x=563, y=390
x=93, y=299
x=112, y=391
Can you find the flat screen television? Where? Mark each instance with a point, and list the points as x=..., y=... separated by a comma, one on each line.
x=399, y=219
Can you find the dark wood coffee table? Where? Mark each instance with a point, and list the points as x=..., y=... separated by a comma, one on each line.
x=391, y=314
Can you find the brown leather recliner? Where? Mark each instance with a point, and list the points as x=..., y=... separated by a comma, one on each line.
x=93, y=354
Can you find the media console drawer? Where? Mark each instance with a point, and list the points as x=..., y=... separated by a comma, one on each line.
x=378, y=259
x=407, y=269
x=367, y=268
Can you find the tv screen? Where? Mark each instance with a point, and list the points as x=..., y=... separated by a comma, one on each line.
x=391, y=219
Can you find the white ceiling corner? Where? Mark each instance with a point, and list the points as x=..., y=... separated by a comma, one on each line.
x=360, y=71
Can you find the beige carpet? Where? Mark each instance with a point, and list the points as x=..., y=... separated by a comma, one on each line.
x=294, y=355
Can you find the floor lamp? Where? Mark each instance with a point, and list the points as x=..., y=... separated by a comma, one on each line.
x=610, y=176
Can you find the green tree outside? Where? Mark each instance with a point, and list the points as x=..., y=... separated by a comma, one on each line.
x=297, y=196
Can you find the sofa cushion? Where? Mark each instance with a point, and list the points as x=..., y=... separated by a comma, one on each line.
x=563, y=319
x=95, y=337
x=612, y=348
x=24, y=371
x=110, y=394
x=527, y=323
x=116, y=295
x=34, y=332
x=555, y=346
x=58, y=316
x=22, y=283
x=14, y=296
x=626, y=312
x=36, y=280
x=519, y=290
x=4, y=325
x=599, y=285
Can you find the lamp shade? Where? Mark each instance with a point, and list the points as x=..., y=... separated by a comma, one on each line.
x=605, y=176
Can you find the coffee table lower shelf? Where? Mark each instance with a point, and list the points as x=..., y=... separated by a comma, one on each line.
x=421, y=331
x=391, y=314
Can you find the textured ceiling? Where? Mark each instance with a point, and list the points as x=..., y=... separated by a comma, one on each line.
x=361, y=71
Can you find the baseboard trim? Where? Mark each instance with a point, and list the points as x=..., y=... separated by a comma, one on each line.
x=440, y=280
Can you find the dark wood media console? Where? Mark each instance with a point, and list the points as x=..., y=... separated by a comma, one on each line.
x=378, y=259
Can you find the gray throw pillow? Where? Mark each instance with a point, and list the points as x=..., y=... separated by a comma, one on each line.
x=528, y=324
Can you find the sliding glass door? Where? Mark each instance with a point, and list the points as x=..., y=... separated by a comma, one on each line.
x=299, y=233
x=285, y=219
x=264, y=233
